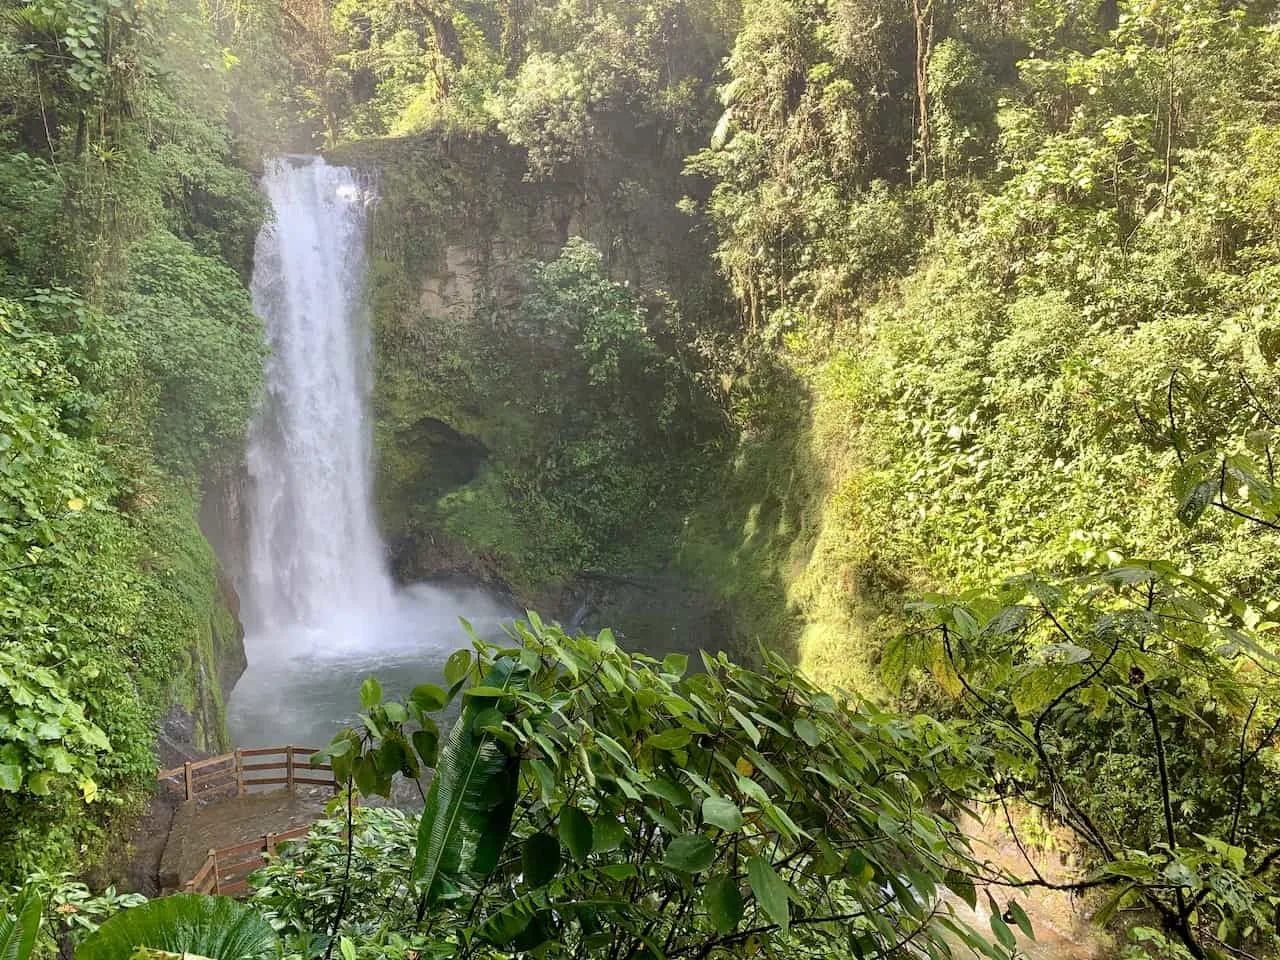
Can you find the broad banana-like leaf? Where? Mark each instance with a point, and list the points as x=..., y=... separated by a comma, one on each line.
x=187, y=923
x=19, y=926
x=473, y=793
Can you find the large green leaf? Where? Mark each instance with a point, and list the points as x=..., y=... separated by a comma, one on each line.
x=674, y=738
x=607, y=833
x=771, y=890
x=468, y=813
x=523, y=921
x=18, y=929
x=724, y=904
x=540, y=859
x=456, y=667
x=10, y=777
x=722, y=812
x=692, y=853
x=213, y=927
x=370, y=693
x=576, y=832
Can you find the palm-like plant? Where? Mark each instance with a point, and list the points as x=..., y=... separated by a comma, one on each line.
x=18, y=930
x=473, y=793
x=216, y=928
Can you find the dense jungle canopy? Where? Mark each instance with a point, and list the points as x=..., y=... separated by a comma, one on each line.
x=930, y=344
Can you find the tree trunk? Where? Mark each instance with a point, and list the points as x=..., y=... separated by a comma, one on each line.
x=1109, y=15
x=513, y=36
x=922, y=13
x=448, y=48
x=446, y=36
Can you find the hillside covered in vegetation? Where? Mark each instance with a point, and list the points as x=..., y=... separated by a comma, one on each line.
x=923, y=353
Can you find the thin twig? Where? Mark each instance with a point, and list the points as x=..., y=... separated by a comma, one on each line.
x=346, y=873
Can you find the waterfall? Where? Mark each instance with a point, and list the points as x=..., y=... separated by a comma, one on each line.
x=319, y=608
x=313, y=549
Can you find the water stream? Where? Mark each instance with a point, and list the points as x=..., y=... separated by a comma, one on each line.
x=319, y=606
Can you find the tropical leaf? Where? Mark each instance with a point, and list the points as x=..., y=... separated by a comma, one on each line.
x=1195, y=501
x=582, y=890
x=576, y=832
x=540, y=859
x=770, y=890
x=186, y=923
x=18, y=930
x=1021, y=919
x=468, y=813
x=724, y=904
x=692, y=853
x=722, y=812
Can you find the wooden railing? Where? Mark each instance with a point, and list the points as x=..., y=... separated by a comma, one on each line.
x=226, y=870
x=243, y=769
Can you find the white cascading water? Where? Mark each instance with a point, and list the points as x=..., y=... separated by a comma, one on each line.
x=319, y=606
x=314, y=549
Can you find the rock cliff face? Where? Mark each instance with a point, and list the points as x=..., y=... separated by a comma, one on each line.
x=198, y=721
x=220, y=659
x=453, y=234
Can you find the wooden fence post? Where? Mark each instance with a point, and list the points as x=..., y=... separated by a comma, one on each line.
x=189, y=779
x=239, y=773
x=217, y=881
x=288, y=759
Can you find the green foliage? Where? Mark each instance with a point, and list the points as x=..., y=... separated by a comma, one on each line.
x=962, y=106
x=1006, y=279
x=816, y=110
x=298, y=892
x=1089, y=327
x=214, y=927
x=128, y=358
x=473, y=793
x=44, y=468
x=976, y=416
x=534, y=124
x=48, y=741
x=45, y=733
x=547, y=114
x=566, y=82
x=200, y=349
x=65, y=909
x=108, y=585
x=1176, y=678
x=74, y=40
x=678, y=811
x=583, y=412
x=29, y=195
x=616, y=415
x=20, y=925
